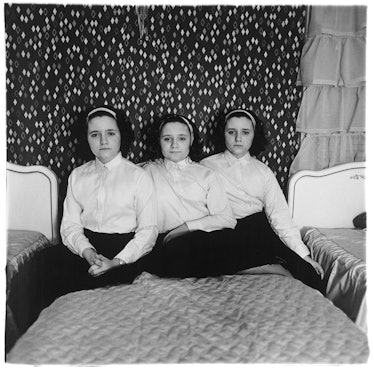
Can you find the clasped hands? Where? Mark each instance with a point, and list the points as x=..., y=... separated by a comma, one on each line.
x=99, y=264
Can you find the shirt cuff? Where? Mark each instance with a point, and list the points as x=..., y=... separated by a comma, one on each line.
x=302, y=250
x=194, y=225
x=131, y=253
x=82, y=245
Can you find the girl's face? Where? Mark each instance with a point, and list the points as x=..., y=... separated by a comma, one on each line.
x=175, y=141
x=104, y=138
x=239, y=134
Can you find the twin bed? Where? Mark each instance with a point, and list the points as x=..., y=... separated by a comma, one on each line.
x=334, y=199
x=242, y=318
x=32, y=207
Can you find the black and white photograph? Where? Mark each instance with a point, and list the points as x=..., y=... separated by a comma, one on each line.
x=185, y=184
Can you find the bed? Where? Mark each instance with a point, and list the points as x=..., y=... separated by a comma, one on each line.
x=241, y=318
x=324, y=204
x=32, y=197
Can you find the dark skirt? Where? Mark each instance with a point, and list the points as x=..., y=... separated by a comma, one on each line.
x=202, y=254
x=252, y=243
x=255, y=233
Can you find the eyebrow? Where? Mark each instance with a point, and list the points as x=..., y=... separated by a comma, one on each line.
x=106, y=130
x=229, y=128
x=171, y=135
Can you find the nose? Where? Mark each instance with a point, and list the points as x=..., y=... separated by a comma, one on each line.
x=238, y=137
x=103, y=139
x=173, y=143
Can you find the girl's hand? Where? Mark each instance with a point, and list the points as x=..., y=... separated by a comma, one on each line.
x=316, y=266
x=178, y=231
x=90, y=255
x=102, y=265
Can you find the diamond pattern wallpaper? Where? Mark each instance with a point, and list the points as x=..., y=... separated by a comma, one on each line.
x=148, y=61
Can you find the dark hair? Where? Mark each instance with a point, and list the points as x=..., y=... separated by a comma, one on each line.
x=154, y=146
x=259, y=140
x=123, y=123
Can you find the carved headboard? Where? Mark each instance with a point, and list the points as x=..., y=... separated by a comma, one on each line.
x=328, y=198
x=32, y=199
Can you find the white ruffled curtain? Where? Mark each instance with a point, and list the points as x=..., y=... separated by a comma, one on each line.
x=331, y=119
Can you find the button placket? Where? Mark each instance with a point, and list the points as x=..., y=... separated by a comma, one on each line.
x=101, y=196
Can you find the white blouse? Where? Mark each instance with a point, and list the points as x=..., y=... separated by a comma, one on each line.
x=189, y=193
x=252, y=187
x=117, y=197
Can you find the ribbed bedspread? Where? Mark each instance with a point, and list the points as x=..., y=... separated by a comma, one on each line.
x=341, y=252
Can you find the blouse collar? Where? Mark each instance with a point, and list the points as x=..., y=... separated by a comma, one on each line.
x=231, y=159
x=180, y=164
x=111, y=164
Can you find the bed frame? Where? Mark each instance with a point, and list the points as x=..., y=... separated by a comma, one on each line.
x=328, y=198
x=32, y=200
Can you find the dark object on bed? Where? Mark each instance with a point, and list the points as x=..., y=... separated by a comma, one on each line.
x=360, y=221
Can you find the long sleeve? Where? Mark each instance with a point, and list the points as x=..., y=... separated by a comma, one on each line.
x=71, y=225
x=146, y=231
x=278, y=214
x=220, y=213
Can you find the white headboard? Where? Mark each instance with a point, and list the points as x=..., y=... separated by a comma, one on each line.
x=32, y=199
x=328, y=198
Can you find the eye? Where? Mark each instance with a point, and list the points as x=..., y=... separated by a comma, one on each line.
x=112, y=133
x=183, y=138
x=166, y=139
x=93, y=135
x=246, y=132
x=230, y=132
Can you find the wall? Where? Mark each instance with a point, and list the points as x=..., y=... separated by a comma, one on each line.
x=194, y=60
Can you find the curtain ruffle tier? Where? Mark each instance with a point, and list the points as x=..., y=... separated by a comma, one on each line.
x=319, y=152
x=331, y=118
x=325, y=109
x=333, y=60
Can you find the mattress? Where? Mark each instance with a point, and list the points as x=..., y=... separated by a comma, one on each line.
x=341, y=252
x=229, y=319
x=21, y=245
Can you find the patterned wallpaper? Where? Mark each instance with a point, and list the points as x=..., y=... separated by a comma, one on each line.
x=192, y=60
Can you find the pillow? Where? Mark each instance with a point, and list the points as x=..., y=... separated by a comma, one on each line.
x=360, y=221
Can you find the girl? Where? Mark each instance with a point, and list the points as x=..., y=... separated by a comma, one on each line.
x=109, y=222
x=257, y=201
x=194, y=216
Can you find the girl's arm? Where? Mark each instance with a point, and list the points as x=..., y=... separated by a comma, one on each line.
x=220, y=213
x=71, y=230
x=279, y=216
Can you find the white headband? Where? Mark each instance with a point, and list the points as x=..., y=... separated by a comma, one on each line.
x=105, y=109
x=241, y=111
x=185, y=121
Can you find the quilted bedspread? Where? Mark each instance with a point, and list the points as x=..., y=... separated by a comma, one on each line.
x=230, y=319
x=21, y=245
